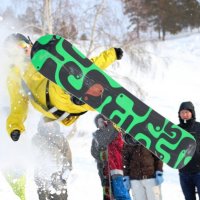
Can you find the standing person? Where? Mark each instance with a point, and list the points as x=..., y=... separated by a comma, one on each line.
x=106, y=148
x=25, y=83
x=143, y=171
x=54, y=161
x=190, y=174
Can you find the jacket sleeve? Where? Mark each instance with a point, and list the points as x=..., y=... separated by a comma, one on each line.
x=99, y=154
x=95, y=152
x=105, y=59
x=158, y=164
x=18, y=102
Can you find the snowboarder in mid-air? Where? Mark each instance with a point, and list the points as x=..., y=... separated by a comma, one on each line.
x=25, y=83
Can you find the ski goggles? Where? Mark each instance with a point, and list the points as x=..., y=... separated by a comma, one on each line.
x=24, y=45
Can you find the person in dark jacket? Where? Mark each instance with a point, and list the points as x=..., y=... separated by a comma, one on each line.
x=107, y=145
x=53, y=161
x=190, y=174
x=143, y=171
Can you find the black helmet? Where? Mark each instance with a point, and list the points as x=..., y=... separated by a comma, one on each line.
x=18, y=38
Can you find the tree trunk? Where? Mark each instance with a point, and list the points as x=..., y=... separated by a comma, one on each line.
x=163, y=34
x=98, y=12
x=159, y=34
x=47, y=17
x=138, y=29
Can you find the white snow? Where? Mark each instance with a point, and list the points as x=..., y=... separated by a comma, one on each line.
x=172, y=79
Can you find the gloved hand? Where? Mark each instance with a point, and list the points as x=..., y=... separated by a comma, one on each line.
x=159, y=177
x=127, y=183
x=119, y=53
x=15, y=135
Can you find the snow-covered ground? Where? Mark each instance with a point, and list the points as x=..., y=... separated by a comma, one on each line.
x=173, y=78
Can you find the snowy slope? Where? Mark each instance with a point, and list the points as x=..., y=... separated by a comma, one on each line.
x=173, y=78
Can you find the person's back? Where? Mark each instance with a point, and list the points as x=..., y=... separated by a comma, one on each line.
x=54, y=161
x=143, y=171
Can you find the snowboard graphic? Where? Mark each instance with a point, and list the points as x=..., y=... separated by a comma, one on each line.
x=59, y=61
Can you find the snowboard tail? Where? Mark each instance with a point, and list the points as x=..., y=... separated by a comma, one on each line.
x=59, y=61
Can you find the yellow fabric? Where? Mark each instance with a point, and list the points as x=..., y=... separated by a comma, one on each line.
x=18, y=185
x=117, y=128
x=37, y=84
x=18, y=102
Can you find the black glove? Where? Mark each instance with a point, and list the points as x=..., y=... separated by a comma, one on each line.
x=119, y=53
x=15, y=135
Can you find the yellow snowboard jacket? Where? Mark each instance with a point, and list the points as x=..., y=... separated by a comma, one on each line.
x=28, y=84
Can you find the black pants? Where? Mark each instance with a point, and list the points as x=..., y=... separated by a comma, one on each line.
x=189, y=184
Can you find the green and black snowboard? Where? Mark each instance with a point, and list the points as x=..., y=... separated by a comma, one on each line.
x=59, y=61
